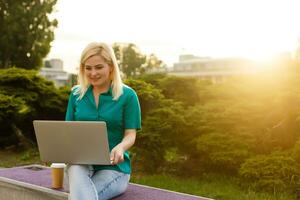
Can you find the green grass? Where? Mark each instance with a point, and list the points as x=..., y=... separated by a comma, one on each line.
x=18, y=157
x=212, y=186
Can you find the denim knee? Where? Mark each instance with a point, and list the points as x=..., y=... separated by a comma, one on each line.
x=77, y=170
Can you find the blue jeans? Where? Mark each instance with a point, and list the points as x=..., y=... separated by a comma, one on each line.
x=85, y=183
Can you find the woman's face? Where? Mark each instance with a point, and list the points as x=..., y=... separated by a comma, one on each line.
x=97, y=71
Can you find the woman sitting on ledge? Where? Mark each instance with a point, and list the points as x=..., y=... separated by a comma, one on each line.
x=101, y=96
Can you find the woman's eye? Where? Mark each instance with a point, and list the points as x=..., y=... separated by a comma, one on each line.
x=98, y=67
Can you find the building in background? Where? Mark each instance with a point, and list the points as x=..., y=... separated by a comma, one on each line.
x=53, y=70
x=214, y=69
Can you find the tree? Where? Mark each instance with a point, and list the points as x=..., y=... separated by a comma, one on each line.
x=153, y=63
x=26, y=32
x=163, y=131
x=129, y=58
x=25, y=96
x=184, y=89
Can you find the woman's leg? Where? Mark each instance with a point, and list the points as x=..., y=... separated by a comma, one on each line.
x=80, y=184
x=110, y=183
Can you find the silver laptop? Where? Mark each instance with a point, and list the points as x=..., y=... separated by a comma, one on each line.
x=73, y=142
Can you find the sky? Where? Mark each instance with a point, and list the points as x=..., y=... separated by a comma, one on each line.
x=168, y=28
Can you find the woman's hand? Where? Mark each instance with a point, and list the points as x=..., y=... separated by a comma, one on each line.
x=117, y=155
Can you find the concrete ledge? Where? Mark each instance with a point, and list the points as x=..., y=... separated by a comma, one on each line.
x=33, y=182
x=13, y=190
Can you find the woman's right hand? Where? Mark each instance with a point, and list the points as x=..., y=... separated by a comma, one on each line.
x=117, y=155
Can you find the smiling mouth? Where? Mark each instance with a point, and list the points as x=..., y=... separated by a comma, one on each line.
x=95, y=79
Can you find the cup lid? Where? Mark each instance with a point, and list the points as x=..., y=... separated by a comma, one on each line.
x=58, y=165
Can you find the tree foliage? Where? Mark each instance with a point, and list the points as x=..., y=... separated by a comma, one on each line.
x=247, y=127
x=130, y=58
x=221, y=152
x=28, y=97
x=10, y=109
x=276, y=172
x=154, y=141
x=232, y=127
x=26, y=32
x=153, y=63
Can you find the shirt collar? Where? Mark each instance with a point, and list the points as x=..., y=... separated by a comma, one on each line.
x=108, y=92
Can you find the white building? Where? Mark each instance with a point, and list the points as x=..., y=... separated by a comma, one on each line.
x=53, y=70
x=215, y=69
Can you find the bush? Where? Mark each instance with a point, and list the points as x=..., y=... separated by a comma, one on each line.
x=275, y=173
x=181, y=89
x=36, y=97
x=162, y=129
x=10, y=109
x=221, y=153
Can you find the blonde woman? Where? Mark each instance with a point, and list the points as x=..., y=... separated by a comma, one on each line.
x=101, y=96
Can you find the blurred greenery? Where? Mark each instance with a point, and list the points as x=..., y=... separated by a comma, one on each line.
x=25, y=96
x=133, y=62
x=246, y=128
x=26, y=32
x=276, y=172
x=130, y=58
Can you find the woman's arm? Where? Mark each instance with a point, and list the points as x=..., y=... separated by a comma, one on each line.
x=117, y=153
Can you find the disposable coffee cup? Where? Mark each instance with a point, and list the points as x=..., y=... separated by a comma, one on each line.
x=57, y=175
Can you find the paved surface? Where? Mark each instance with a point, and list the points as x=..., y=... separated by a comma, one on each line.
x=41, y=176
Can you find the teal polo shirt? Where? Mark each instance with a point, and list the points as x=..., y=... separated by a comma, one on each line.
x=121, y=114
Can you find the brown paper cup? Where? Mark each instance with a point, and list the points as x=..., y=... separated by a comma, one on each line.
x=57, y=175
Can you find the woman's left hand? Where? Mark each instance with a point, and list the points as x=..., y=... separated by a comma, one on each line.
x=117, y=155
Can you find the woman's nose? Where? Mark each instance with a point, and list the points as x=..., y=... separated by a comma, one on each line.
x=93, y=71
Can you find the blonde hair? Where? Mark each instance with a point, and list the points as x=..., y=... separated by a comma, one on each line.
x=107, y=54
